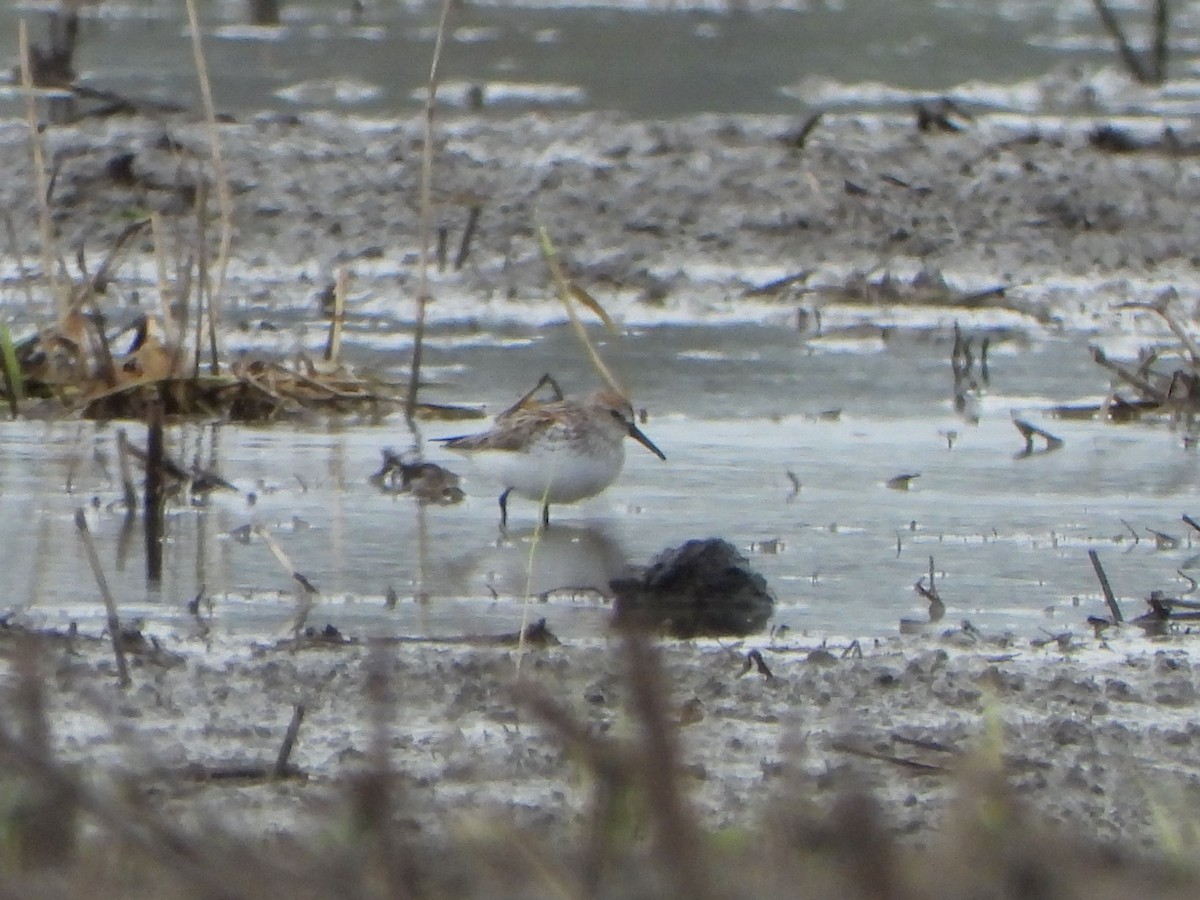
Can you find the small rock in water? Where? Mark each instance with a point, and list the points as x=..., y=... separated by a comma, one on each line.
x=703, y=588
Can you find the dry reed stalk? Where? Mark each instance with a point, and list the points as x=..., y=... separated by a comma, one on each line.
x=202, y=285
x=211, y=864
x=224, y=195
x=333, y=352
x=305, y=590
x=376, y=793
x=14, y=382
x=61, y=300
x=678, y=834
x=17, y=252
x=539, y=531
x=170, y=334
x=425, y=217
x=110, y=605
x=41, y=821
x=568, y=294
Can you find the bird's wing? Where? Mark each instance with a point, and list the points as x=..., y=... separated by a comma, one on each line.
x=511, y=431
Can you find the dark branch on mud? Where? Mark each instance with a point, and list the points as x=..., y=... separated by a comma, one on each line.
x=1109, y=597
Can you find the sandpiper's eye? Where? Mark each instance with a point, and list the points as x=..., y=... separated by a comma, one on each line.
x=616, y=414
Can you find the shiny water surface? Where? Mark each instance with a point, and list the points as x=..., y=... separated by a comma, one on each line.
x=646, y=58
x=735, y=408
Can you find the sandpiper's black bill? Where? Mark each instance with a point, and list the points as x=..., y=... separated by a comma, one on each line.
x=636, y=434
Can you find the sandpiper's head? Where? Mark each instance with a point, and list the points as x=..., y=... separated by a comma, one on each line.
x=621, y=413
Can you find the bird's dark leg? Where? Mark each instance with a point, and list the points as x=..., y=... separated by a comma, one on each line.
x=545, y=515
x=504, y=507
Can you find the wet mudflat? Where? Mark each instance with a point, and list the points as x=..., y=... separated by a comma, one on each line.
x=678, y=228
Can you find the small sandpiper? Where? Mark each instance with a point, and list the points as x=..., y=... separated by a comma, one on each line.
x=560, y=451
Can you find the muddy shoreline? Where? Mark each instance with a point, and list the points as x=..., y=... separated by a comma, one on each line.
x=655, y=215
x=1095, y=737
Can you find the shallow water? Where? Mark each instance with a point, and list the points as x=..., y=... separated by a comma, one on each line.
x=735, y=408
x=645, y=57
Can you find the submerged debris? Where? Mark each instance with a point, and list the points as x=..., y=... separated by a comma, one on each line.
x=428, y=482
x=702, y=588
x=902, y=482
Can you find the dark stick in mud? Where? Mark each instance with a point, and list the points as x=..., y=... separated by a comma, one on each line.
x=110, y=605
x=464, y=246
x=1109, y=597
x=797, y=139
x=289, y=741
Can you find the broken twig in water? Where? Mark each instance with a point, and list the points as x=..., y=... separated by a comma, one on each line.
x=902, y=482
x=754, y=660
x=1029, y=432
x=110, y=605
x=306, y=590
x=937, y=608
x=1133, y=379
x=1109, y=597
x=794, y=479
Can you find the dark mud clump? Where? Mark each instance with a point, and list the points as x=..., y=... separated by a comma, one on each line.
x=703, y=588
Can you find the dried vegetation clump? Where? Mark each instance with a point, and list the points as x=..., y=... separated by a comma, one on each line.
x=80, y=367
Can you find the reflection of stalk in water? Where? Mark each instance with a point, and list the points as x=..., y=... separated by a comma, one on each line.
x=538, y=530
x=420, y=594
x=205, y=519
x=337, y=515
x=129, y=522
x=152, y=513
